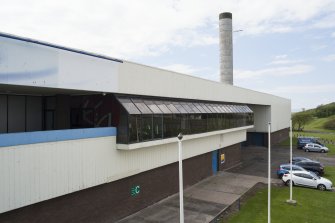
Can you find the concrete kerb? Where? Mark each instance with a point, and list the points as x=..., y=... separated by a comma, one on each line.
x=236, y=205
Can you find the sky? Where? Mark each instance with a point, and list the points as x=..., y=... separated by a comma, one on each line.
x=286, y=48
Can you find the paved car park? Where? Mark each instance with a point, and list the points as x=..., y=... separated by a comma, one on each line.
x=255, y=160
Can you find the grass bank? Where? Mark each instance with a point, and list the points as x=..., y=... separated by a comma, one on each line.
x=313, y=206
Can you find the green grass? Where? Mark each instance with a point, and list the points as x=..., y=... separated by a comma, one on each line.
x=313, y=206
x=287, y=142
x=317, y=124
x=330, y=173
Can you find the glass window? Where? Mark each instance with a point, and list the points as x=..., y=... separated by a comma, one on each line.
x=231, y=109
x=180, y=108
x=122, y=128
x=129, y=105
x=228, y=109
x=163, y=107
x=200, y=108
x=237, y=108
x=187, y=107
x=234, y=109
x=134, y=128
x=171, y=126
x=146, y=125
x=223, y=107
x=184, y=124
x=158, y=126
x=217, y=110
x=205, y=108
x=219, y=107
x=194, y=108
x=141, y=106
x=153, y=107
x=171, y=107
x=249, y=109
x=210, y=107
x=245, y=109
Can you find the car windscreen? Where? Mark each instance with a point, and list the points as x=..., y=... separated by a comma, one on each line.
x=314, y=175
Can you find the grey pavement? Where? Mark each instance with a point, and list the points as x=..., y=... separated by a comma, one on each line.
x=202, y=201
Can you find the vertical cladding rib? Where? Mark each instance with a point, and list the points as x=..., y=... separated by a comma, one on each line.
x=226, y=48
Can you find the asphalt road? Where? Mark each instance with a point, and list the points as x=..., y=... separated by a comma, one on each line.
x=255, y=160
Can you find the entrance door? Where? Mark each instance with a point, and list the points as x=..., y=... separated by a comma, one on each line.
x=215, y=161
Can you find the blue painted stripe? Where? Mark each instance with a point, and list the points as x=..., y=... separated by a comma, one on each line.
x=59, y=47
x=24, y=138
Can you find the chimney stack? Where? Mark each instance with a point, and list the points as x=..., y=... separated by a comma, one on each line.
x=226, y=48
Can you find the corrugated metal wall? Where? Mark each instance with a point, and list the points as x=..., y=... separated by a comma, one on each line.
x=37, y=172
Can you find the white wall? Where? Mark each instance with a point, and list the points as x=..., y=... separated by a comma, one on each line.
x=25, y=63
x=37, y=172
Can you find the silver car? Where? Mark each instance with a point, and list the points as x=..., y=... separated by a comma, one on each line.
x=313, y=147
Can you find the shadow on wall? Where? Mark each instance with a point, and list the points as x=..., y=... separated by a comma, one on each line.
x=261, y=138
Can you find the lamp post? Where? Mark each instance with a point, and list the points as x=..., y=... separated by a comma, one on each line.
x=181, y=193
x=269, y=172
x=290, y=201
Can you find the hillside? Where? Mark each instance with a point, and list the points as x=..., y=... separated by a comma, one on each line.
x=320, y=119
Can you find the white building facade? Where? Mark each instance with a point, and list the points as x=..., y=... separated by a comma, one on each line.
x=80, y=131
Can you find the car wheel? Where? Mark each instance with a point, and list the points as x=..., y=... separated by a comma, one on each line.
x=322, y=150
x=288, y=183
x=306, y=150
x=321, y=187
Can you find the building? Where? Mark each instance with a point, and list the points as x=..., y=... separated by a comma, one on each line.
x=86, y=137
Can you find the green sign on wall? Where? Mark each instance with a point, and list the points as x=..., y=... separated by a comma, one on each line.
x=135, y=190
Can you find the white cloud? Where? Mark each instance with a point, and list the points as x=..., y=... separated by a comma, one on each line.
x=280, y=57
x=283, y=60
x=133, y=29
x=329, y=58
x=319, y=47
x=280, y=71
x=333, y=34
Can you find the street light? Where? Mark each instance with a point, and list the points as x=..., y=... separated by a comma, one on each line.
x=269, y=172
x=181, y=193
x=290, y=201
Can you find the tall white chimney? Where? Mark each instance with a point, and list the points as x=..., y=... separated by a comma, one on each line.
x=226, y=48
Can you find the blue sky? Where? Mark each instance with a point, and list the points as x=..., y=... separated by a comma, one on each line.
x=286, y=47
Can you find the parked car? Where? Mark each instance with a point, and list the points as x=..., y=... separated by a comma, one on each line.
x=307, y=179
x=285, y=168
x=315, y=148
x=299, y=158
x=313, y=166
x=302, y=141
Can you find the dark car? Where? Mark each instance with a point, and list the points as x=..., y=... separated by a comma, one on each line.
x=313, y=166
x=299, y=158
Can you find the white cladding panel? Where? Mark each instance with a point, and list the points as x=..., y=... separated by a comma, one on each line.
x=25, y=63
x=37, y=172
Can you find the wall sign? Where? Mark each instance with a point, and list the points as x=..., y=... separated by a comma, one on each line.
x=222, y=158
x=135, y=190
